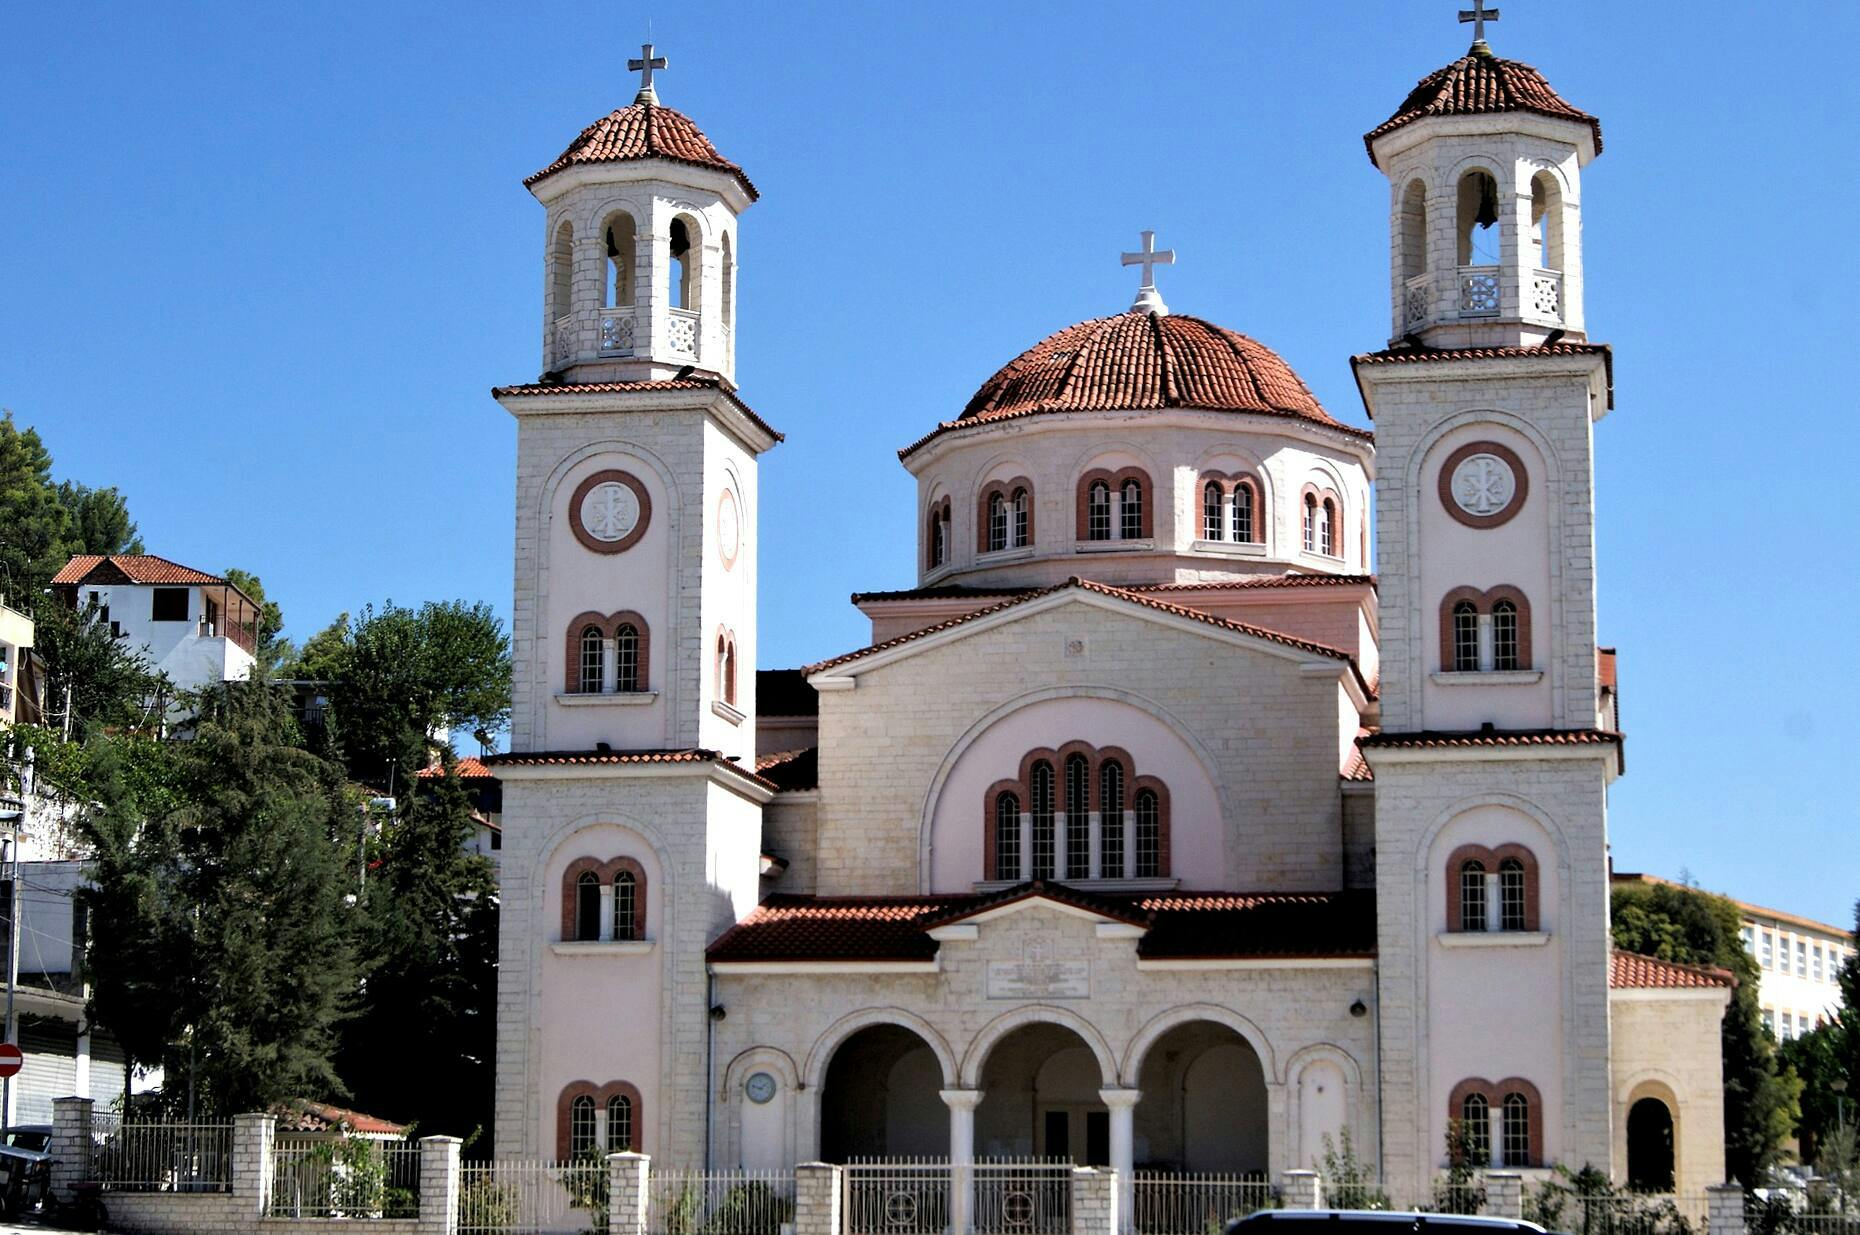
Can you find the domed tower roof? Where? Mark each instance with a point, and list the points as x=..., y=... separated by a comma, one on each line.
x=643, y=130
x=1140, y=361
x=1478, y=84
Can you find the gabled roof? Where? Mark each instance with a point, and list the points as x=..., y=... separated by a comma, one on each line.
x=1632, y=971
x=1479, y=84
x=130, y=568
x=644, y=130
x=1052, y=893
x=1100, y=589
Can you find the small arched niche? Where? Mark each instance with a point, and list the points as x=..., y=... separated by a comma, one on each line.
x=1413, y=236
x=618, y=239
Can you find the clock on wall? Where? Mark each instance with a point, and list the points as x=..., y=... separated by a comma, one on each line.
x=759, y=1088
x=609, y=511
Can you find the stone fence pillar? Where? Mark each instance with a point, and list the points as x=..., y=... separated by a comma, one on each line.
x=816, y=1199
x=71, y=1144
x=629, y=1193
x=253, y=1138
x=1725, y=1204
x=1301, y=1190
x=439, y=1185
x=1094, y=1202
x=1504, y=1194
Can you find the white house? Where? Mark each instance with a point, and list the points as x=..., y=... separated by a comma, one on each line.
x=195, y=627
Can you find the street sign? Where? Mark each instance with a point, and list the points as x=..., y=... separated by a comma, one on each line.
x=11, y=1059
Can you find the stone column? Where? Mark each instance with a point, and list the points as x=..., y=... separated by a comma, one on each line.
x=1726, y=1209
x=962, y=1104
x=439, y=1185
x=1301, y=1190
x=816, y=1199
x=1504, y=1194
x=1094, y=1202
x=71, y=1144
x=253, y=1136
x=629, y=1179
x=1123, y=1107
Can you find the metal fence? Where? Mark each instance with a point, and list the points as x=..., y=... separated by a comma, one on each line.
x=1619, y=1213
x=1818, y=1209
x=161, y=1157
x=719, y=1202
x=920, y=1197
x=526, y=1197
x=348, y=1178
x=1192, y=1203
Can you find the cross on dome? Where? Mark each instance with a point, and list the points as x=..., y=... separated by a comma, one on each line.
x=1149, y=257
x=643, y=64
x=1478, y=15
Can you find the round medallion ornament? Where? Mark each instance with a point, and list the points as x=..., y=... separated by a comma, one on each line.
x=759, y=1088
x=729, y=528
x=609, y=511
x=1482, y=484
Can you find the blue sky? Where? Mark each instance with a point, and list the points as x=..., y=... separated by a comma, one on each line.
x=260, y=265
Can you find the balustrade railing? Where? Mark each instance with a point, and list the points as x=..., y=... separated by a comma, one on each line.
x=1478, y=291
x=682, y=333
x=562, y=340
x=1547, y=294
x=618, y=328
x=1416, y=295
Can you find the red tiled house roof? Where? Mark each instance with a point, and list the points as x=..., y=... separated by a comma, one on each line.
x=1632, y=971
x=469, y=768
x=1479, y=84
x=129, y=568
x=302, y=1117
x=1139, y=361
x=644, y=130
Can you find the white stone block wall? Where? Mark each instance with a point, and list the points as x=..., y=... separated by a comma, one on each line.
x=1665, y=1045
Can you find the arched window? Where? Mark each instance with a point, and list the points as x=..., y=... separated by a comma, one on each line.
x=1512, y=914
x=617, y=279
x=936, y=537
x=626, y=657
x=1040, y=797
x=1132, y=515
x=1465, y=637
x=1327, y=529
x=1149, y=834
x=581, y=1130
x=1243, y=512
x=1111, y=819
x=1414, y=230
x=1476, y=1119
x=1478, y=215
x=592, y=661
x=1098, y=511
x=684, y=265
x=997, y=522
x=1472, y=895
x=1078, y=817
x=1213, y=512
x=1546, y=222
x=1515, y=1140
x=626, y=906
x=588, y=907
x=726, y=667
x=1023, y=518
x=562, y=271
x=1504, y=635
x=1311, y=523
x=729, y=280
x=620, y=1124
x=1007, y=837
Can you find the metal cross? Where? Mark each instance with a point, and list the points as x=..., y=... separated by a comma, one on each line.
x=1150, y=257
x=1478, y=15
x=644, y=66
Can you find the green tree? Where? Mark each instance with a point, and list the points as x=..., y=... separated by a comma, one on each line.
x=1815, y=1057
x=221, y=944
x=273, y=648
x=97, y=520
x=32, y=520
x=324, y=656
x=1683, y=924
x=420, y=1047
x=95, y=674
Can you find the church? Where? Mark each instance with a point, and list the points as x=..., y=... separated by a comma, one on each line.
x=1233, y=779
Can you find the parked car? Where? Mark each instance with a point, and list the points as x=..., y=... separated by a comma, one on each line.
x=25, y=1168
x=1373, y=1222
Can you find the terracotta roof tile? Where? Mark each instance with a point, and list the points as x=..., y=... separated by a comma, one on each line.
x=469, y=768
x=609, y=758
x=1434, y=739
x=790, y=771
x=959, y=591
x=1258, y=632
x=942, y=591
x=1631, y=971
x=533, y=389
x=1139, y=361
x=130, y=568
x=300, y=1116
x=1477, y=84
x=644, y=130
x=1357, y=770
x=1430, y=355
x=1179, y=925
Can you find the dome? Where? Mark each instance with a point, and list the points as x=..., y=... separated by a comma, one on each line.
x=1146, y=361
x=1479, y=84
x=644, y=130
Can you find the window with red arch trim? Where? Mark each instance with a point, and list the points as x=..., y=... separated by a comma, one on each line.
x=1116, y=505
x=1492, y=889
x=603, y=901
x=1078, y=812
x=584, y=1115
x=1514, y=1133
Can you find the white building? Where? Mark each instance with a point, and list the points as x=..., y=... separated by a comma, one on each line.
x=1150, y=830
x=195, y=627
x=21, y=690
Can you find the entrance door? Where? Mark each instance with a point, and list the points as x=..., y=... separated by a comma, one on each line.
x=1078, y=1134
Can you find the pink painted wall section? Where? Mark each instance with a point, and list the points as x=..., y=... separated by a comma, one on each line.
x=956, y=857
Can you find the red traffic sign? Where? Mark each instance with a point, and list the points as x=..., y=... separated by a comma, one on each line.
x=11, y=1059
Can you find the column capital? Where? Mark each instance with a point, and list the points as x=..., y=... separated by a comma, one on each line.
x=1120, y=1099
x=960, y=1099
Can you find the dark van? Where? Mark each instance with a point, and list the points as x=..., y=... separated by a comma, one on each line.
x=1373, y=1222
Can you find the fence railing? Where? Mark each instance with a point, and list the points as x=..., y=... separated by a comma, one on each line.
x=350, y=1178
x=509, y=1196
x=1819, y=1209
x=1623, y=1213
x=921, y=1197
x=1171, y=1203
x=161, y=1157
x=719, y=1202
